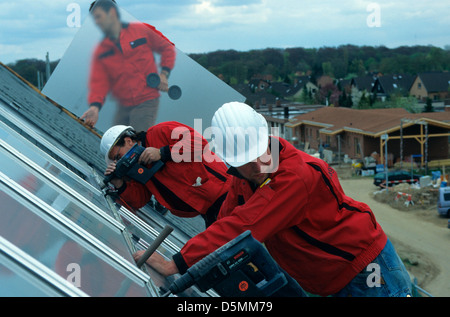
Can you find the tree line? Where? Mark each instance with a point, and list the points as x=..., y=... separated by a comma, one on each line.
x=343, y=62
x=29, y=69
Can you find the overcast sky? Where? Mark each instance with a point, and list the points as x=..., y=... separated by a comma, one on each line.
x=30, y=28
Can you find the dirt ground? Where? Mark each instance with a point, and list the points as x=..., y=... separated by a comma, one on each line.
x=419, y=234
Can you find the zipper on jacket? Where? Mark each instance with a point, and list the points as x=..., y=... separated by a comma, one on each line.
x=119, y=46
x=328, y=248
x=341, y=205
x=215, y=173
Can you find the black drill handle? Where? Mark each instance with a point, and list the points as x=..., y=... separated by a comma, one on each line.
x=108, y=178
x=198, y=270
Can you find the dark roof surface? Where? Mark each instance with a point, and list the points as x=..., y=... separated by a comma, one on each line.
x=52, y=118
x=436, y=81
x=392, y=83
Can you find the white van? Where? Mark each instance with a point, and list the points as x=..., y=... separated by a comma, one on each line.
x=444, y=201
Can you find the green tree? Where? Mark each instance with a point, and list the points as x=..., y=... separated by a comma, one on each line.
x=364, y=102
x=327, y=69
x=28, y=69
x=345, y=100
x=306, y=95
x=337, y=62
x=357, y=67
x=428, y=106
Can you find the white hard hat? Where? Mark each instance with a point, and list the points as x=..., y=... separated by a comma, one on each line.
x=241, y=134
x=110, y=138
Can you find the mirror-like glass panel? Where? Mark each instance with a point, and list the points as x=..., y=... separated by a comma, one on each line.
x=22, y=226
x=63, y=203
x=103, y=63
x=14, y=284
x=34, y=154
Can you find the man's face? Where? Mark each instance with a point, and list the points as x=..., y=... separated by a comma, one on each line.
x=104, y=20
x=256, y=171
x=117, y=152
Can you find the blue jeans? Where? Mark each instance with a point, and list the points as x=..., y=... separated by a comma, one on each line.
x=386, y=276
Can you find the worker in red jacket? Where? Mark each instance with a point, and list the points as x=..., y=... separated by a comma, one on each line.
x=294, y=204
x=121, y=64
x=193, y=180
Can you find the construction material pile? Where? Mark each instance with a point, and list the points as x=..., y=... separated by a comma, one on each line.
x=409, y=197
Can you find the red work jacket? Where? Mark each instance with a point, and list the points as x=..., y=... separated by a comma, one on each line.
x=191, y=180
x=123, y=67
x=320, y=236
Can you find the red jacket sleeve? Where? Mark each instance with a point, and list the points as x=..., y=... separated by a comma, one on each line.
x=160, y=44
x=135, y=194
x=272, y=208
x=99, y=84
x=180, y=142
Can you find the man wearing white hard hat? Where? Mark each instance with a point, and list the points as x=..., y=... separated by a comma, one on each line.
x=193, y=180
x=294, y=204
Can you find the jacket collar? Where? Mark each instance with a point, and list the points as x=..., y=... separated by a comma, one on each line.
x=124, y=25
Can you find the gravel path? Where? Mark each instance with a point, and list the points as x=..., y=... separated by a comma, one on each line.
x=421, y=238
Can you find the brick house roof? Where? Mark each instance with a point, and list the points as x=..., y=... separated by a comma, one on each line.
x=372, y=122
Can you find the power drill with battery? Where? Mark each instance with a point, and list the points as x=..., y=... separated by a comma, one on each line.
x=128, y=166
x=241, y=268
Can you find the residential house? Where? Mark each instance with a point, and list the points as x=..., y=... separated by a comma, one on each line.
x=258, y=84
x=279, y=89
x=324, y=81
x=363, y=83
x=387, y=85
x=276, y=125
x=260, y=93
x=357, y=133
x=345, y=85
x=433, y=85
x=261, y=98
x=295, y=91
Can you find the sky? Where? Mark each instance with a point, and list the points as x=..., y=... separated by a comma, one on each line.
x=31, y=28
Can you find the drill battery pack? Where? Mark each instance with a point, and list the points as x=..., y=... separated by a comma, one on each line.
x=128, y=166
x=240, y=268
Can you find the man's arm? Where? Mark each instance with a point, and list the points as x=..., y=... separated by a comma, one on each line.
x=99, y=87
x=91, y=116
x=156, y=261
x=161, y=45
x=133, y=193
x=274, y=207
x=182, y=142
x=266, y=213
x=169, y=267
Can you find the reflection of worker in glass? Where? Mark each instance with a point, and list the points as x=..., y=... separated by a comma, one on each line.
x=121, y=64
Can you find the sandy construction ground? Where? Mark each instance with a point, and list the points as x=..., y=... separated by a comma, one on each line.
x=421, y=237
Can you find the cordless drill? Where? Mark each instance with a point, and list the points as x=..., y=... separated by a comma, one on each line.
x=128, y=166
x=240, y=268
